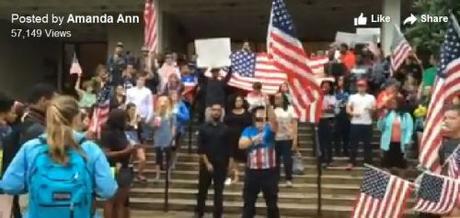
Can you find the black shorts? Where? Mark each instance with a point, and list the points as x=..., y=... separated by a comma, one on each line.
x=124, y=177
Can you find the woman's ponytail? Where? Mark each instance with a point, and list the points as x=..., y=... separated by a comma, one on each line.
x=59, y=118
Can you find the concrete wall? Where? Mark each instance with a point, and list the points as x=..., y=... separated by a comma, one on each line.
x=174, y=35
x=25, y=62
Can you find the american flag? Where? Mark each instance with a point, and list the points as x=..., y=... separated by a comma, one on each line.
x=454, y=163
x=317, y=63
x=249, y=68
x=190, y=82
x=400, y=50
x=150, y=26
x=101, y=110
x=381, y=195
x=289, y=56
x=75, y=67
x=447, y=84
x=436, y=194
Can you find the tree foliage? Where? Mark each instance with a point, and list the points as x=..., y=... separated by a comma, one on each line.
x=429, y=36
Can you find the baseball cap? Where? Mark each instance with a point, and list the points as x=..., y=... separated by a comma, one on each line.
x=120, y=44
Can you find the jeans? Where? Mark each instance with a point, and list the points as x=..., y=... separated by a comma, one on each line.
x=284, y=150
x=325, y=135
x=361, y=133
x=218, y=176
x=342, y=133
x=256, y=181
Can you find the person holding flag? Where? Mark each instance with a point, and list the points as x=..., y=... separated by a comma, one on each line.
x=261, y=170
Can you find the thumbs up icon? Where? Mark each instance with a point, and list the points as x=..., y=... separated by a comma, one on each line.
x=361, y=20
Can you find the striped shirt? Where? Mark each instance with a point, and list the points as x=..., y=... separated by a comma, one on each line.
x=261, y=156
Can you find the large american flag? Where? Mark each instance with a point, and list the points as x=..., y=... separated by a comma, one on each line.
x=150, y=26
x=101, y=110
x=288, y=55
x=447, y=84
x=436, y=194
x=382, y=195
x=249, y=68
x=400, y=50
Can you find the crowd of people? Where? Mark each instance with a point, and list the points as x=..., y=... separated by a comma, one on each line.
x=153, y=100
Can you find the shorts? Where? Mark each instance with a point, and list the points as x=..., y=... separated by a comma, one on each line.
x=124, y=177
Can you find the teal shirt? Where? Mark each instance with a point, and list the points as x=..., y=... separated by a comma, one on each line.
x=87, y=100
x=385, y=125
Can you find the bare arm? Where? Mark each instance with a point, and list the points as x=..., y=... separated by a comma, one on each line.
x=77, y=86
x=117, y=154
x=349, y=108
x=294, y=125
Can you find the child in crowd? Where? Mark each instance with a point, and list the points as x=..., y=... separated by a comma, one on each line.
x=182, y=116
x=87, y=95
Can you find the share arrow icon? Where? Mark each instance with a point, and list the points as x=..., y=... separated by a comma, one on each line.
x=411, y=19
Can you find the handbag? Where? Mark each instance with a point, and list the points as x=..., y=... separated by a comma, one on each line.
x=297, y=165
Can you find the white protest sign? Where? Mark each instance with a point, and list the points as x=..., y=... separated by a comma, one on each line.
x=353, y=38
x=213, y=52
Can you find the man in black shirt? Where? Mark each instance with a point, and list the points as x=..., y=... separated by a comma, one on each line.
x=215, y=91
x=215, y=157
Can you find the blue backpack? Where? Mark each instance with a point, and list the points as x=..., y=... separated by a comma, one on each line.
x=58, y=190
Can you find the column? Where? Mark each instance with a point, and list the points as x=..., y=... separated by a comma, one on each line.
x=390, y=8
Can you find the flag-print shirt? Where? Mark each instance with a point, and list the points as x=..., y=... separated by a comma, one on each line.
x=261, y=156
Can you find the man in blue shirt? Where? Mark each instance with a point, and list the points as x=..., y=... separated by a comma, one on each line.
x=261, y=168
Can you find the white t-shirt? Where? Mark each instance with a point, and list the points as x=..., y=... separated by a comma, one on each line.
x=362, y=104
x=143, y=99
x=284, y=118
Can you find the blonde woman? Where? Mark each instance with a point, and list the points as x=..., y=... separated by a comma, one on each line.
x=164, y=124
x=60, y=147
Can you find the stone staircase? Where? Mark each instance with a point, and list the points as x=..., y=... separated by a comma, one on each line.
x=339, y=187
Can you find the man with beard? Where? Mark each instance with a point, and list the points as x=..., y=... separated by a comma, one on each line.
x=215, y=157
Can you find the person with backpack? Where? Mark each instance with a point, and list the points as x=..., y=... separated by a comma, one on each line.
x=59, y=169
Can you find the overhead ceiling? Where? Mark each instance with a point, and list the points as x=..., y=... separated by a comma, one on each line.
x=241, y=19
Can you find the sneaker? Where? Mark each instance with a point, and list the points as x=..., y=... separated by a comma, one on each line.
x=228, y=181
x=289, y=184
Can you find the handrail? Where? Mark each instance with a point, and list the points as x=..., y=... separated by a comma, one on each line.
x=166, y=195
x=319, y=169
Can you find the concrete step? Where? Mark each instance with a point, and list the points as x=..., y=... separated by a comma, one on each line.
x=286, y=209
x=297, y=187
x=235, y=196
x=307, y=160
x=305, y=151
x=306, y=178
